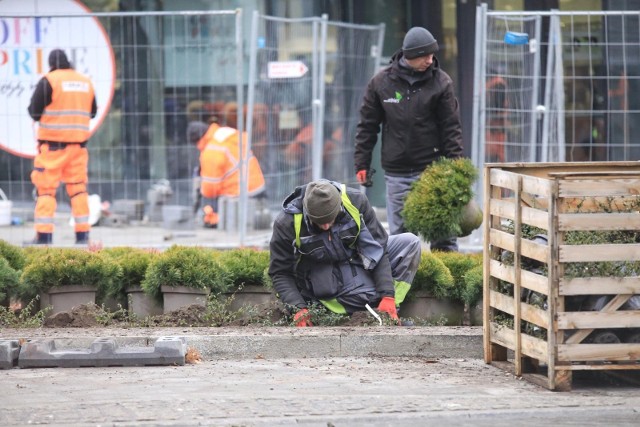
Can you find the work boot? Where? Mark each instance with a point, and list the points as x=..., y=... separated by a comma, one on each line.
x=82, y=237
x=41, y=239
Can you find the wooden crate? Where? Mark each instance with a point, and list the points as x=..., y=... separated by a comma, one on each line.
x=568, y=201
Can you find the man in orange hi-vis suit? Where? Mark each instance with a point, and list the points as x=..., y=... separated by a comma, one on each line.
x=220, y=169
x=63, y=103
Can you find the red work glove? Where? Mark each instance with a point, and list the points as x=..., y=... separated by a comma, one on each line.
x=388, y=305
x=303, y=318
x=361, y=175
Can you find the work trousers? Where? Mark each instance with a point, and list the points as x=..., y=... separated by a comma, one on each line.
x=397, y=189
x=56, y=162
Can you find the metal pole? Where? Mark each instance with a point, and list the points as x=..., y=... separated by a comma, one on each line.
x=315, y=102
x=318, y=143
x=533, y=135
x=242, y=208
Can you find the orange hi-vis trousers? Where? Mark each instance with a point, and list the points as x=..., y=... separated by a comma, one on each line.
x=67, y=163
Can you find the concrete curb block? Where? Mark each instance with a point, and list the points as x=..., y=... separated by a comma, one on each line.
x=248, y=347
x=277, y=343
x=9, y=350
x=102, y=352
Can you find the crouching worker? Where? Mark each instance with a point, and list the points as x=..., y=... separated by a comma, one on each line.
x=328, y=246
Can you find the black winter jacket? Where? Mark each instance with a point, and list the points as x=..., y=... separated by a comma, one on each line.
x=420, y=120
x=285, y=271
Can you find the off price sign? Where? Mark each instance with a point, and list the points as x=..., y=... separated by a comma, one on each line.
x=29, y=31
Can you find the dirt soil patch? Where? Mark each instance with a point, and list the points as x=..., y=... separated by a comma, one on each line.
x=92, y=315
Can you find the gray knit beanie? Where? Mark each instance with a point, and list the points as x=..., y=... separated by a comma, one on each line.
x=322, y=202
x=418, y=42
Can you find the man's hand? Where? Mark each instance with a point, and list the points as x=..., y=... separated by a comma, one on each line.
x=303, y=318
x=361, y=175
x=388, y=305
x=365, y=177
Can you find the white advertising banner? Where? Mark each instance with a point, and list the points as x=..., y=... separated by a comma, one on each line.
x=29, y=31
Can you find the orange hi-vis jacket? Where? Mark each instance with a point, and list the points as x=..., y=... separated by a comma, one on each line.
x=67, y=117
x=220, y=164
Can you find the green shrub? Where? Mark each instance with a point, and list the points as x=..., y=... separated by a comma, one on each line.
x=458, y=264
x=51, y=267
x=13, y=254
x=9, y=279
x=134, y=263
x=435, y=206
x=244, y=266
x=472, y=291
x=184, y=266
x=432, y=276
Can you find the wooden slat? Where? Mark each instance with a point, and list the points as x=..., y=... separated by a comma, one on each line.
x=501, y=239
x=595, y=253
x=617, y=302
x=502, y=335
x=504, y=208
x=534, y=185
x=594, y=352
x=599, y=221
x=599, y=187
x=532, y=347
x=503, y=179
x=537, y=251
x=583, y=174
x=530, y=184
x=595, y=204
x=529, y=312
x=530, y=280
x=596, y=319
x=599, y=286
x=632, y=365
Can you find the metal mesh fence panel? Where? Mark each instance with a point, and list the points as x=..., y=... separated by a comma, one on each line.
x=581, y=108
x=305, y=92
x=172, y=74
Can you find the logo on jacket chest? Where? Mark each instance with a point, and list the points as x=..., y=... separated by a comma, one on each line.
x=395, y=100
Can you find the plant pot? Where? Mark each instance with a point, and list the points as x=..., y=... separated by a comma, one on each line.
x=64, y=298
x=175, y=297
x=424, y=306
x=249, y=295
x=142, y=304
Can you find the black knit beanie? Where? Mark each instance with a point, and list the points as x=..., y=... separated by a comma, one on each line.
x=58, y=60
x=418, y=42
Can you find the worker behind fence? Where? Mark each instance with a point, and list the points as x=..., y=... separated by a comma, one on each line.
x=328, y=247
x=220, y=169
x=63, y=103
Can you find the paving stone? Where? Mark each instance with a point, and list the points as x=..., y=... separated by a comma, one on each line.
x=102, y=352
x=9, y=350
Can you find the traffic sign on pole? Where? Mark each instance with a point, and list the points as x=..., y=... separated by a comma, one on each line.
x=286, y=69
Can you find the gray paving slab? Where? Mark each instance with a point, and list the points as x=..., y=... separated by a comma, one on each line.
x=304, y=391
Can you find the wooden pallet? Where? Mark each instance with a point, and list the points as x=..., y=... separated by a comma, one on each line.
x=559, y=199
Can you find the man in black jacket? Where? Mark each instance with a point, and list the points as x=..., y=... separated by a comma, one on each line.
x=328, y=247
x=414, y=101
